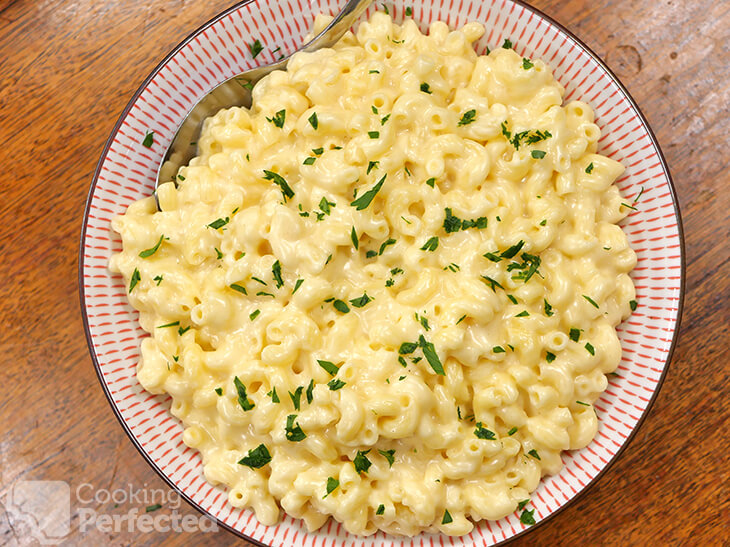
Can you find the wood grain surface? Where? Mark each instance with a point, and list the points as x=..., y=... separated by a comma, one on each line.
x=68, y=68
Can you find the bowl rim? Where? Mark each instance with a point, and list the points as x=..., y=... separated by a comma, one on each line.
x=680, y=297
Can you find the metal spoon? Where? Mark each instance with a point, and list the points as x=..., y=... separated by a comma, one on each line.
x=236, y=91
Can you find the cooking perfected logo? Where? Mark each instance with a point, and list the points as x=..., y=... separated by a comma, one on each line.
x=41, y=511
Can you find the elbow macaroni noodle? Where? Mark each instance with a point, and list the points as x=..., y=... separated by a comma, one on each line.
x=465, y=315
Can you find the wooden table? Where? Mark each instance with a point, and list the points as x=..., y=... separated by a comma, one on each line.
x=67, y=69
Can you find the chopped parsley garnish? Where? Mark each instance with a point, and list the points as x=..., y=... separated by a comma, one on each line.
x=528, y=267
x=361, y=461
x=543, y=222
x=274, y=396
x=380, y=510
x=493, y=257
x=374, y=72
x=373, y=134
x=431, y=356
x=633, y=305
x=313, y=121
x=355, y=240
x=259, y=280
x=296, y=397
x=389, y=241
x=371, y=166
x=255, y=48
x=574, y=334
x=239, y=255
x=243, y=400
x=549, y=357
x=281, y=182
x=149, y=252
x=447, y=517
x=639, y=196
x=512, y=299
x=493, y=283
x=538, y=154
x=389, y=454
x=335, y=384
x=326, y=206
x=523, y=313
x=371, y=254
x=513, y=250
x=360, y=301
x=278, y=119
x=589, y=169
x=409, y=11
x=592, y=302
x=182, y=330
x=254, y=314
x=219, y=223
x=461, y=319
x=431, y=245
x=423, y=320
x=219, y=391
x=407, y=347
x=332, y=484
x=309, y=161
x=340, y=306
x=374, y=109
x=297, y=285
x=257, y=458
x=239, y=288
x=317, y=151
x=149, y=139
x=364, y=200
x=383, y=120
x=218, y=253
x=590, y=349
x=136, y=278
x=431, y=182
x=158, y=278
x=498, y=349
x=173, y=324
x=512, y=431
x=310, y=391
x=454, y=224
x=507, y=43
x=582, y=403
x=426, y=88
x=527, y=517
x=468, y=117
x=534, y=454
x=482, y=432
x=629, y=206
x=294, y=431
x=548, y=308
x=527, y=64
x=330, y=367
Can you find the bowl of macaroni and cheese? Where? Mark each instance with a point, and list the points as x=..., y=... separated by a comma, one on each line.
x=427, y=285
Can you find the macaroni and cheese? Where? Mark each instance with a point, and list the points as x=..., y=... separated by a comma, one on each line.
x=386, y=293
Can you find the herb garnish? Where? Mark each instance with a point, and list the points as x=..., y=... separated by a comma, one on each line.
x=313, y=121
x=254, y=314
x=335, y=384
x=149, y=252
x=482, y=432
x=426, y=88
x=278, y=118
x=431, y=245
x=332, y=484
x=364, y=200
x=360, y=301
x=296, y=397
x=355, y=240
x=574, y=334
x=281, y=182
x=589, y=169
x=136, y=278
x=243, y=400
x=527, y=64
x=330, y=367
x=257, y=458
x=388, y=455
x=468, y=117
x=447, y=517
x=361, y=461
x=431, y=356
x=239, y=288
x=255, y=48
x=149, y=139
x=590, y=349
x=294, y=432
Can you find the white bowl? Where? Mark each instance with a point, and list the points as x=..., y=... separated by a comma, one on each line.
x=126, y=172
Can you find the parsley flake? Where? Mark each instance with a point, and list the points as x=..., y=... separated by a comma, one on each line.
x=243, y=400
x=149, y=139
x=255, y=48
x=431, y=245
x=294, y=432
x=468, y=117
x=361, y=461
x=278, y=119
x=364, y=200
x=149, y=252
x=257, y=458
x=136, y=278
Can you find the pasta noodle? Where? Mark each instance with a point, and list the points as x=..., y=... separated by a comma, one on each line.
x=388, y=292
